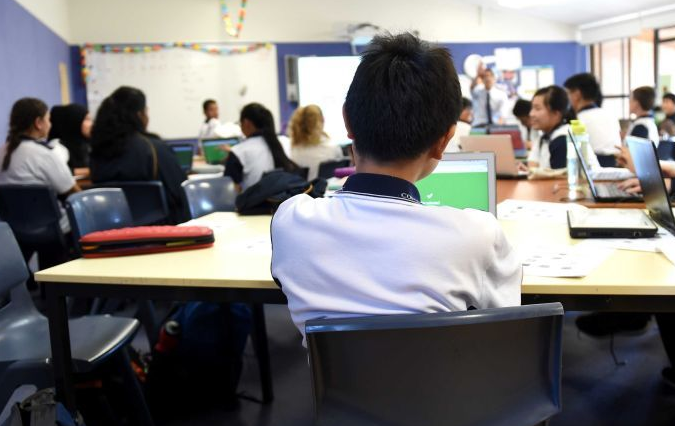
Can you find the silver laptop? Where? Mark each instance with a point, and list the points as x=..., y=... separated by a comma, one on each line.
x=507, y=165
x=462, y=180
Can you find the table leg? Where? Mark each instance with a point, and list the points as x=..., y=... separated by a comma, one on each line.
x=259, y=337
x=59, y=335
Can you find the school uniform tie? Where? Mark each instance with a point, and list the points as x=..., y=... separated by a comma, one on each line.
x=489, y=108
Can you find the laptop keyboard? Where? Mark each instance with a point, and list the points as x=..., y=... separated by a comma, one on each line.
x=612, y=191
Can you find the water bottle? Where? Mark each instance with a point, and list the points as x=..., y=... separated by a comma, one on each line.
x=572, y=167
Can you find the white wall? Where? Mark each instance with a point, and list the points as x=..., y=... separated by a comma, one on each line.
x=53, y=13
x=128, y=21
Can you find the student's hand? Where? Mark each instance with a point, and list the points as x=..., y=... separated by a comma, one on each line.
x=225, y=147
x=668, y=168
x=623, y=158
x=522, y=167
x=632, y=186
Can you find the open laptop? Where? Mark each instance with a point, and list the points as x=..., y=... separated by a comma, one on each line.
x=649, y=174
x=608, y=192
x=519, y=148
x=462, y=180
x=184, y=154
x=213, y=151
x=507, y=165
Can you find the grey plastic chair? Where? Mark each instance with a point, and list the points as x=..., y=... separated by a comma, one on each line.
x=24, y=335
x=146, y=200
x=210, y=195
x=492, y=367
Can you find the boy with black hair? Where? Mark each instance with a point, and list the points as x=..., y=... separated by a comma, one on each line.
x=463, y=126
x=603, y=130
x=373, y=248
x=521, y=110
x=668, y=106
x=211, y=123
x=641, y=104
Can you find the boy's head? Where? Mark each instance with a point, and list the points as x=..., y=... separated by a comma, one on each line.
x=210, y=108
x=404, y=101
x=668, y=104
x=642, y=100
x=521, y=110
x=583, y=89
x=467, y=111
x=488, y=78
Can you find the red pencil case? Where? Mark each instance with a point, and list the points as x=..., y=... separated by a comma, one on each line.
x=145, y=239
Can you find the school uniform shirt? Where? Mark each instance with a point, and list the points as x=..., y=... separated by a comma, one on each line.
x=603, y=130
x=312, y=155
x=59, y=150
x=248, y=161
x=550, y=151
x=34, y=163
x=462, y=129
x=645, y=127
x=374, y=249
x=208, y=129
x=498, y=101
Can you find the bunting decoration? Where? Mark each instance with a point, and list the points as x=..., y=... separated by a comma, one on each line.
x=213, y=49
x=230, y=28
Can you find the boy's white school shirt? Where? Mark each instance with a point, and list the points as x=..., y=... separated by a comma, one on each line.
x=648, y=123
x=603, y=130
x=373, y=249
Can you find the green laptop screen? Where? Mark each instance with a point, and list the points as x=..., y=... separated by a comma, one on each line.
x=213, y=151
x=457, y=183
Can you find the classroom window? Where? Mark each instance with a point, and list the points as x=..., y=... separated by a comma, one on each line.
x=666, y=60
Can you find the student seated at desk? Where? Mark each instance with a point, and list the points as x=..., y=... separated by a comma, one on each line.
x=641, y=104
x=122, y=150
x=211, y=122
x=71, y=128
x=667, y=126
x=310, y=145
x=260, y=152
x=26, y=159
x=521, y=110
x=549, y=109
x=373, y=248
x=463, y=127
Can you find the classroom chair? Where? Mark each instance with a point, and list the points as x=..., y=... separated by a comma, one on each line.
x=666, y=150
x=147, y=201
x=327, y=168
x=210, y=195
x=491, y=367
x=24, y=336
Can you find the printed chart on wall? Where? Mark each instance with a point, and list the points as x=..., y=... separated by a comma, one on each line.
x=177, y=81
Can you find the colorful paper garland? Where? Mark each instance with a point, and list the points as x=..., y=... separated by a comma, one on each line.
x=232, y=30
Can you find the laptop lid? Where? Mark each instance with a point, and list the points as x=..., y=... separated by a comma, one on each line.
x=213, y=151
x=513, y=131
x=184, y=155
x=462, y=180
x=649, y=174
x=500, y=145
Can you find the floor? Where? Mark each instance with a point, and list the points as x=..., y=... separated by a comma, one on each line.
x=596, y=391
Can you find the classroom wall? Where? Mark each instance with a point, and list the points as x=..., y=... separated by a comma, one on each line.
x=131, y=21
x=54, y=14
x=30, y=54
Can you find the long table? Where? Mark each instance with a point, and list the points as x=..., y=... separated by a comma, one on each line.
x=237, y=268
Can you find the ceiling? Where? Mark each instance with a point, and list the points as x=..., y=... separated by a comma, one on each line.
x=577, y=12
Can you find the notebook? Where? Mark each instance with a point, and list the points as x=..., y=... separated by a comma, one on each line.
x=213, y=149
x=507, y=165
x=462, y=180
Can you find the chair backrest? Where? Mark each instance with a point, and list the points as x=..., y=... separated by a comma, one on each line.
x=492, y=367
x=97, y=209
x=210, y=195
x=327, y=168
x=33, y=213
x=666, y=150
x=13, y=269
x=147, y=201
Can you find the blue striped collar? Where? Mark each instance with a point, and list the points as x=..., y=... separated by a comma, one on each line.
x=382, y=185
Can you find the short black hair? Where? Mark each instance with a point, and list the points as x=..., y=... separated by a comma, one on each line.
x=522, y=108
x=645, y=96
x=466, y=104
x=207, y=103
x=555, y=99
x=405, y=95
x=587, y=84
x=669, y=96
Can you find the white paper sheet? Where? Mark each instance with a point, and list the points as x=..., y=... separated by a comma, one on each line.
x=562, y=261
x=535, y=211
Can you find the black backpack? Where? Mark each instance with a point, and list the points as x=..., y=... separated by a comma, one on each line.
x=273, y=189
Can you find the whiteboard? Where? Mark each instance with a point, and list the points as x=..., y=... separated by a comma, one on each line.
x=324, y=81
x=177, y=81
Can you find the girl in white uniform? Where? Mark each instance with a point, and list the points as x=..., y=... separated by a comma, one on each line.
x=549, y=107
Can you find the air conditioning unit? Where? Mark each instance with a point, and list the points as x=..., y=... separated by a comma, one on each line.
x=291, y=67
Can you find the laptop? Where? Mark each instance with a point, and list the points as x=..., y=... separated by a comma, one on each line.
x=507, y=165
x=608, y=192
x=649, y=174
x=462, y=180
x=519, y=148
x=184, y=154
x=213, y=151
x=610, y=223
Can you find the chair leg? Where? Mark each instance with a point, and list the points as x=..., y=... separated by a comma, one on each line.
x=135, y=392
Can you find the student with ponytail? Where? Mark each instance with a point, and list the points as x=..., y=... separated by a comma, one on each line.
x=260, y=152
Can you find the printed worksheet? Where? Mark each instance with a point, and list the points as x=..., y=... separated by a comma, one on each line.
x=562, y=261
x=535, y=211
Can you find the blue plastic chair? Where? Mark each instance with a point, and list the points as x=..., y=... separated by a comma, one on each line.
x=146, y=200
x=666, y=150
x=24, y=335
x=210, y=195
x=97, y=209
x=492, y=367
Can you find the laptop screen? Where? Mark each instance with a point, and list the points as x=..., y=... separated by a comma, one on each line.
x=461, y=181
x=649, y=174
x=213, y=151
x=184, y=155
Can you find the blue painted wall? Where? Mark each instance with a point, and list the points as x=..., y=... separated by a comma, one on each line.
x=29, y=60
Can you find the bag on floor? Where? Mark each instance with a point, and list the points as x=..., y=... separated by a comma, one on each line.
x=40, y=409
x=197, y=360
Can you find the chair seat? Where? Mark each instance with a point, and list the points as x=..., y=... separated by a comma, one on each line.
x=92, y=338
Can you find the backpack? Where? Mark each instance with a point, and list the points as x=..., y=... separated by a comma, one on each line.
x=273, y=189
x=40, y=409
x=197, y=360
